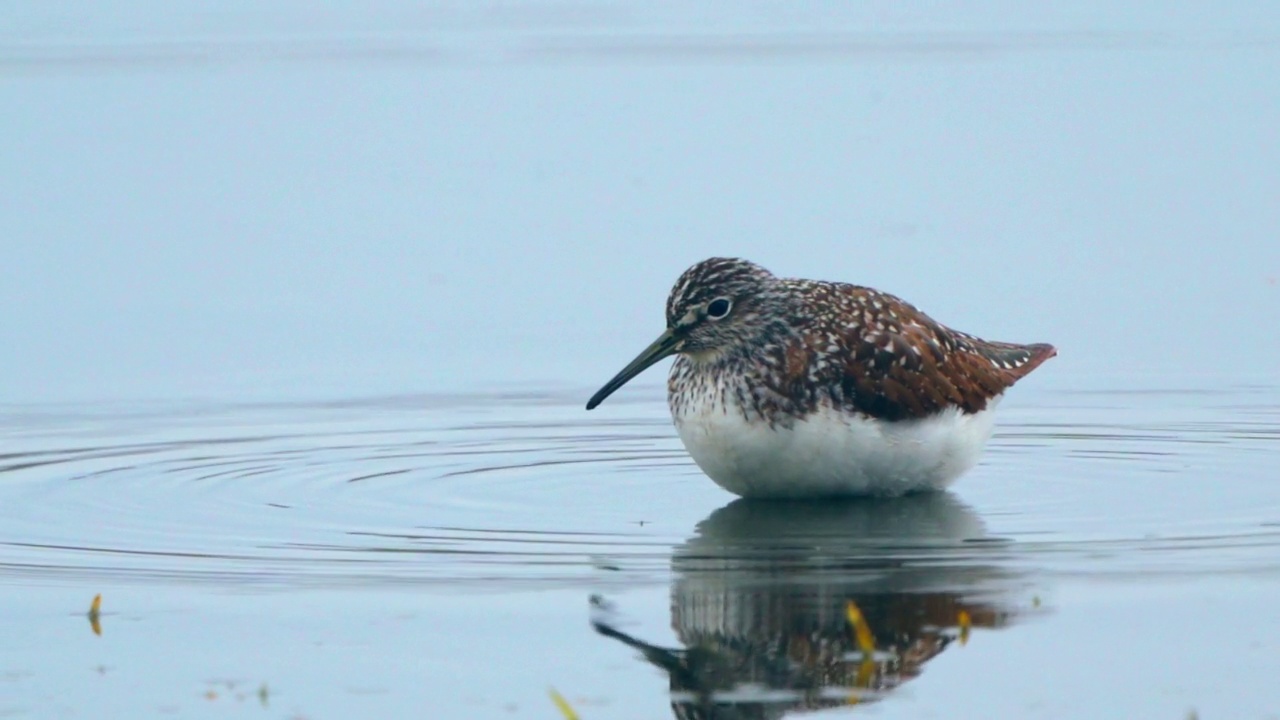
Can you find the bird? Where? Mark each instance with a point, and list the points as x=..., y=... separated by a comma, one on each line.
x=793, y=388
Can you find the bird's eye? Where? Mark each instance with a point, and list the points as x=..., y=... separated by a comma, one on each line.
x=718, y=308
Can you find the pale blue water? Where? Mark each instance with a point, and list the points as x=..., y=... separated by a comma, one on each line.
x=302, y=308
x=375, y=557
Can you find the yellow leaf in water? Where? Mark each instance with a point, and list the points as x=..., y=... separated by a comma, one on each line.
x=866, y=671
x=94, y=613
x=862, y=633
x=565, y=708
x=862, y=681
x=965, y=623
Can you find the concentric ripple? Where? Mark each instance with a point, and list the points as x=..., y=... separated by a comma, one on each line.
x=389, y=490
x=531, y=489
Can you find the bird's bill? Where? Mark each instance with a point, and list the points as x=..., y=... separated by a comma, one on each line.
x=664, y=346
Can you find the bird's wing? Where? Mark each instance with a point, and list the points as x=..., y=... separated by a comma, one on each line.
x=896, y=363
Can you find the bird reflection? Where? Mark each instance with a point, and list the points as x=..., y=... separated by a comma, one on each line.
x=763, y=594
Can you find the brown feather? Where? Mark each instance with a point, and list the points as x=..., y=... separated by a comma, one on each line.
x=895, y=362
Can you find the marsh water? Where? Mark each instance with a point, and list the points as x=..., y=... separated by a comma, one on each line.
x=301, y=310
x=1117, y=554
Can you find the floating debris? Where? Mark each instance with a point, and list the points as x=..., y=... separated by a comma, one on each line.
x=861, y=632
x=965, y=623
x=565, y=708
x=95, y=609
x=867, y=644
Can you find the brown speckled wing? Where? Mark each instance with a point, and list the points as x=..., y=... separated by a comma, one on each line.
x=896, y=363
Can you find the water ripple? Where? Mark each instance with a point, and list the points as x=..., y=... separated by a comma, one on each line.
x=533, y=490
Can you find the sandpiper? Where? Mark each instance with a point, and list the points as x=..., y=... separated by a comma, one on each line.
x=789, y=388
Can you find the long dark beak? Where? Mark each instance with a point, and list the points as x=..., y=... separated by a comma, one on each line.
x=664, y=346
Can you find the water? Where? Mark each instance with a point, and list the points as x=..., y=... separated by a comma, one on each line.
x=300, y=310
x=377, y=556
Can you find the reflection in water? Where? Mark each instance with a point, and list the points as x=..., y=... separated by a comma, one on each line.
x=761, y=592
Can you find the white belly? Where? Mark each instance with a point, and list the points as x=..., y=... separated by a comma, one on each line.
x=831, y=453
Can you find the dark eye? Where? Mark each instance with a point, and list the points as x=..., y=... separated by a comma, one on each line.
x=718, y=308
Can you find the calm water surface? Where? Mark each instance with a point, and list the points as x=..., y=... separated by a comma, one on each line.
x=376, y=557
x=393, y=247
